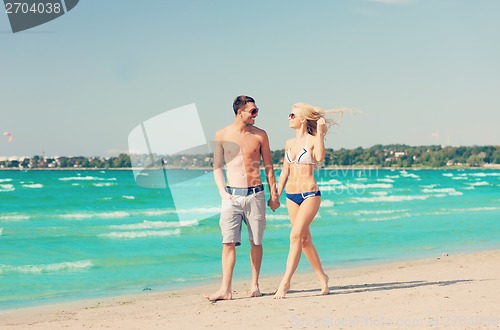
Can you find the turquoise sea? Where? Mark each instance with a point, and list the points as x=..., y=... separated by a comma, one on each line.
x=67, y=235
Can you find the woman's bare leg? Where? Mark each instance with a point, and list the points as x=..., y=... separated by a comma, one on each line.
x=300, y=217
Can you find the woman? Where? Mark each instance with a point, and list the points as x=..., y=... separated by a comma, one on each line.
x=302, y=192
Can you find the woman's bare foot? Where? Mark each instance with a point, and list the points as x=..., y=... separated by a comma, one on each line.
x=255, y=292
x=220, y=295
x=325, y=289
x=282, y=291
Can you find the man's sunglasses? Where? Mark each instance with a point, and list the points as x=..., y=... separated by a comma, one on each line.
x=254, y=112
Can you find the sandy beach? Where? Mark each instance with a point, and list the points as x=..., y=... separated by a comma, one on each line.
x=446, y=292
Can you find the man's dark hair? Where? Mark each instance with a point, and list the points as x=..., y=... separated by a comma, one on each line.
x=241, y=101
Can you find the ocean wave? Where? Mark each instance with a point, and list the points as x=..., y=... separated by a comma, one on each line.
x=482, y=174
x=478, y=209
x=48, y=268
x=466, y=210
x=327, y=203
x=479, y=184
x=440, y=191
x=401, y=198
x=387, y=180
x=1, y=231
x=330, y=182
x=460, y=178
x=104, y=184
x=410, y=175
x=141, y=234
x=33, y=185
x=357, y=186
x=129, y=197
x=370, y=186
x=333, y=188
x=147, y=224
x=7, y=187
x=448, y=174
x=389, y=218
x=14, y=217
x=6, y=180
x=79, y=216
x=280, y=225
x=277, y=217
x=379, y=193
x=158, y=212
x=86, y=178
x=378, y=212
x=200, y=210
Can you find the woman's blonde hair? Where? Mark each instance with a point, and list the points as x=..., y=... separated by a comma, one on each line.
x=313, y=114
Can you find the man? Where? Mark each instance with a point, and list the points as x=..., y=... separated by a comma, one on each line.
x=241, y=145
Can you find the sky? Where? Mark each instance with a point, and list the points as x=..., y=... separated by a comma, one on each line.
x=419, y=72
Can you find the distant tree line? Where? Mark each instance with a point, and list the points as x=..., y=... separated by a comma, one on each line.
x=395, y=155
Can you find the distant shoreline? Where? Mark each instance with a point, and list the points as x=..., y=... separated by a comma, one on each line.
x=353, y=167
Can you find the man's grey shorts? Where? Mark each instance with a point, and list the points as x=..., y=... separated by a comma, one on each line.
x=250, y=209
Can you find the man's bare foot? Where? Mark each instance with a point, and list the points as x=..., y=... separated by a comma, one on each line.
x=282, y=291
x=220, y=295
x=325, y=289
x=255, y=292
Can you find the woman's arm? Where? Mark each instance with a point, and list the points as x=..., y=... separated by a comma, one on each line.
x=319, y=144
x=285, y=172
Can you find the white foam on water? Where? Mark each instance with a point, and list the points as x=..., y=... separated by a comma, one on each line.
x=479, y=184
x=448, y=174
x=86, y=178
x=129, y=197
x=327, y=203
x=7, y=187
x=280, y=225
x=370, y=186
x=482, y=174
x=388, y=218
x=80, y=216
x=158, y=212
x=104, y=184
x=401, y=198
x=330, y=182
x=277, y=217
x=48, y=268
x=333, y=188
x=442, y=192
x=410, y=175
x=141, y=234
x=378, y=212
x=33, y=185
x=6, y=180
x=14, y=217
x=147, y=224
x=386, y=180
x=200, y=210
x=378, y=193
x=465, y=210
